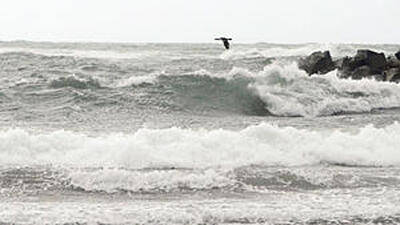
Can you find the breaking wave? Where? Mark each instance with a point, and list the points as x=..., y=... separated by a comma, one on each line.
x=262, y=144
x=263, y=157
x=254, y=178
x=280, y=89
x=288, y=91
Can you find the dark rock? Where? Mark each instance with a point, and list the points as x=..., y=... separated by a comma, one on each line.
x=355, y=62
x=361, y=72
x=343, y=66
x=392, y=62
x=375, y=61
x=317, y=63
x=365, y=64
x=343, y=63
x=397, y=55
x=392, y=74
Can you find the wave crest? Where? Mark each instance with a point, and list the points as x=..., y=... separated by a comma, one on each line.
x=288, y=91
x=280, y=89
x=263, y=144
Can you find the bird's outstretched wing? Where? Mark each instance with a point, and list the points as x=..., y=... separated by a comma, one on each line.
x=223, y=38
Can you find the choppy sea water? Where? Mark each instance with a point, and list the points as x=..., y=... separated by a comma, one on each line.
x=193, y=134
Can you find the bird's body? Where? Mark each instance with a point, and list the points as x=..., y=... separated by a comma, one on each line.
x=225, y=41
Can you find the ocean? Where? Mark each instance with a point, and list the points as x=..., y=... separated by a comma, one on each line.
x=120, y=133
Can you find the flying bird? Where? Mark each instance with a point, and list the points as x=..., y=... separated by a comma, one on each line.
x=225, y=41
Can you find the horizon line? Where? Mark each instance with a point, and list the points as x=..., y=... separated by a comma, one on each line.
x=179, y=42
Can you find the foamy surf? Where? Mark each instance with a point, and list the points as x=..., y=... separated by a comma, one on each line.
x=212, y=210
x=288, y=91
x=263, y=144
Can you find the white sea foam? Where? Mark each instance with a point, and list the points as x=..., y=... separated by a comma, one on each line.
x=331, y=207
x=288, y=91
x=201, y=72
x=112, y=180
x=136, y=80
x=263, y=144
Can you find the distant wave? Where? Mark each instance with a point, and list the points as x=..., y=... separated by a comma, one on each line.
x=337, y=50
x=102, y=54
x=115, y=54
x=75, y=82
x=209, y=51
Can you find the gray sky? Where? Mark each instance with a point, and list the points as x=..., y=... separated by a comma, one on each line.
x=279, y=21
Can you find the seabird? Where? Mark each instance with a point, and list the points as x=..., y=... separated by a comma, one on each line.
x=225, y=41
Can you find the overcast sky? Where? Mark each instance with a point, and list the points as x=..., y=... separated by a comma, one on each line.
x=278, y=21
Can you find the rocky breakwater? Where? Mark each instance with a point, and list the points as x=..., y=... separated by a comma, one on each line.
x=365, y=64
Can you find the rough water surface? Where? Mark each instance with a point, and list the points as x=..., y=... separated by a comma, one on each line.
x=102, y=133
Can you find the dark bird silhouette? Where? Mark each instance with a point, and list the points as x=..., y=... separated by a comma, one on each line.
x=225, y=41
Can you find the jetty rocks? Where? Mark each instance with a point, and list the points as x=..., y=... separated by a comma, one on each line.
x=365, y=64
